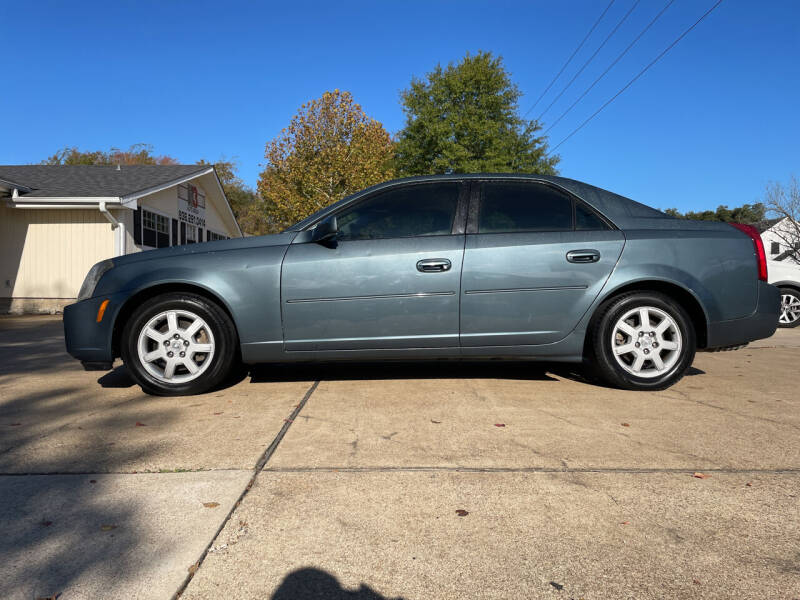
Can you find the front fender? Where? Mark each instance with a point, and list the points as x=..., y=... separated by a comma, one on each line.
x=246, y=281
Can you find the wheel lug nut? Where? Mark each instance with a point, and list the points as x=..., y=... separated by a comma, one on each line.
x=176, y=336
x=166, y=343
x=183, y=354
x=185, y=342
x=655, y=344
x=652, y=334
x=170, y=354
x=641, y=333
x=637, y=344
x=646, y=351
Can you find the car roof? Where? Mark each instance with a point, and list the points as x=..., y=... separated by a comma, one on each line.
x=623, y=212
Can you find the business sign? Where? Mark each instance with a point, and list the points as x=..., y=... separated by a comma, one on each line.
x=191, y=205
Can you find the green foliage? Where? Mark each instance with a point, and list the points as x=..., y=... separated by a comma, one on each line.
x=137, y=154
x=465, y=117
x=747, y=213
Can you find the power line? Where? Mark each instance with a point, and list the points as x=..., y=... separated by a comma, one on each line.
x=611, y=66
x=596, y=23
x=640, y=73
x=591, y=58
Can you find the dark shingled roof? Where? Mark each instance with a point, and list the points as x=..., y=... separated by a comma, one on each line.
x=767, y=224
x=62, y=181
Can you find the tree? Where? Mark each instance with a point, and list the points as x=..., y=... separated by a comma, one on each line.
x=751, y=214
x=783, y=202
x=465, y=118
x=330, y=149
x=243, y=199
x=137, y=154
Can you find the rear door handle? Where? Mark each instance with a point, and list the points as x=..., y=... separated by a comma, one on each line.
x=434, y=265
x=583, y=256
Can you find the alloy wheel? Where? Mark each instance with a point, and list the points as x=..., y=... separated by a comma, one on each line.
x=790, y=309
x=646, y=342
x=176, y=346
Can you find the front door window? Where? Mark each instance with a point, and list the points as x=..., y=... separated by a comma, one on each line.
x=409, y=211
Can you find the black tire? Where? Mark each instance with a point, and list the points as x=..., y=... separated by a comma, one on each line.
x=225, y=344
x=795, y=295
x=601, y=334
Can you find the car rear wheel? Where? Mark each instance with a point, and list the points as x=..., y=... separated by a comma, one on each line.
x=790, y=308
x=179, y=344
x=643, y=341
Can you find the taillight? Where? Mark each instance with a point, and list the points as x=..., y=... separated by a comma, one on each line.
x=759, y=246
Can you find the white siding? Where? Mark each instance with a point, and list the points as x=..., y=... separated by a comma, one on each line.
x=47, y=253
x=779, y=234
x=166, y=202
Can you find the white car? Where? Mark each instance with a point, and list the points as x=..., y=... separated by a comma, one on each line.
x=785, y=274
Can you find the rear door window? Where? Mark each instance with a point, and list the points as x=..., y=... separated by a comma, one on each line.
x=509, y=207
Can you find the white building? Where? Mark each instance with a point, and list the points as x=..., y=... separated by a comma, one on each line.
x=780, y=240
x=57, y=221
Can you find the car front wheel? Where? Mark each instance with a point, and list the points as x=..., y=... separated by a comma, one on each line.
x=790, y=308
x=179, y=344
x=643, y=341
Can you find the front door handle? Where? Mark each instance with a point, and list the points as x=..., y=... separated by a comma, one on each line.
x=583, y=256
x=434, y=265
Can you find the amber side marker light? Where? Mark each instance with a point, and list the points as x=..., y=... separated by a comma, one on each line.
x=102, y=310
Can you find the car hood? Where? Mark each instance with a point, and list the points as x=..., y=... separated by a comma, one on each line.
x=278, y=239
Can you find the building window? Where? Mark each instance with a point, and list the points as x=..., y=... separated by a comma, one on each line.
x=191, y=234
x=775, y=248
x=155, y=230
x=216, y=236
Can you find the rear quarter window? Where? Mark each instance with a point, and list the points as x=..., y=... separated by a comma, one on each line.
x=587, y=220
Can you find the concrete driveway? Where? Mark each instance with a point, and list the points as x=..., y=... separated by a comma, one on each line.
x=437, y=480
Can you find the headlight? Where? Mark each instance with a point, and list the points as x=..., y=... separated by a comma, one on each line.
x=94, y=275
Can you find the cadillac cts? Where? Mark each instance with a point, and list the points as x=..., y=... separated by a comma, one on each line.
x=453, y=266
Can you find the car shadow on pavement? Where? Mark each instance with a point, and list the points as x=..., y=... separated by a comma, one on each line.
x=120, y=378
x=117, y=378
x=370, y=371
x=315, y=584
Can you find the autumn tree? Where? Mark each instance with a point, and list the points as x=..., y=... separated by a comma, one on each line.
x=330, y=149
x=465, y=118
x=137, y=154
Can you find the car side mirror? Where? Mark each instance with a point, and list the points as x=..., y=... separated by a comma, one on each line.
x=325, y=232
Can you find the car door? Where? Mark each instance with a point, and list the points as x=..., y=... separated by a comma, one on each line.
x=390, y=279
x=535, y=259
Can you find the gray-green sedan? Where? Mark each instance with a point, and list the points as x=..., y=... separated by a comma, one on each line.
x=457, y=266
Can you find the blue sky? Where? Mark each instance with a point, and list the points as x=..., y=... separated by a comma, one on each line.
x=712, y=123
